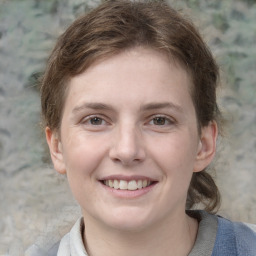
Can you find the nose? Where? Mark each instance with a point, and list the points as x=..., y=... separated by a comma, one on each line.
x=127, y=147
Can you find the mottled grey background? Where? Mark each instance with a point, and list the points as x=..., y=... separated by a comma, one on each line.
x=34, y=201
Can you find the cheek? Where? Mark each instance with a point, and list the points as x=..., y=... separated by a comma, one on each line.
x=179, y=148
x=82, y=154
x=175, y=155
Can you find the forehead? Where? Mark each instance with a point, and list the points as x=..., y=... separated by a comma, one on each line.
x=129, y=62
x=149, y=51
x=135, y=75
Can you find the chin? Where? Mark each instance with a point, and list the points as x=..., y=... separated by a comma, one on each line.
x=133, y=220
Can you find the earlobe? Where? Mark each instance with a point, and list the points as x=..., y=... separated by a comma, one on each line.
x=55, y=148
x=206, y=146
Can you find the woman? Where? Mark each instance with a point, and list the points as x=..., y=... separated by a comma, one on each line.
x=130, y=115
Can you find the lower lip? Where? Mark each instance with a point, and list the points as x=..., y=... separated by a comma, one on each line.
x=129, y=194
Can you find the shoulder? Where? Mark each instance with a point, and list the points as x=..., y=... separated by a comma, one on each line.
x=218, y=236
x=37, y=250
x=49, y=246
x=235, y=238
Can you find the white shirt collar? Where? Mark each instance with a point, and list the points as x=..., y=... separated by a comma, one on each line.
x=72, y=243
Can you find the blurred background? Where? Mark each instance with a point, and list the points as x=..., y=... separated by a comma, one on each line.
x=35, y=203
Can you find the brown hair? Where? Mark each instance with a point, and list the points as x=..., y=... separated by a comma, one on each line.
x=121, y=24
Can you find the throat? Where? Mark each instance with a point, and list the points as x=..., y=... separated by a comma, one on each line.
x=175, y=242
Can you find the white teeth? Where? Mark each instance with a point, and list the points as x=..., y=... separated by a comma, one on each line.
x=127, y=185
x=116, y=184
x=139, y=184
x=110, y=183
x=123, y=184
x=132, y=185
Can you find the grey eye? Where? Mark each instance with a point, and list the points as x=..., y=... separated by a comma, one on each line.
x=159, y=121
x=96, y=121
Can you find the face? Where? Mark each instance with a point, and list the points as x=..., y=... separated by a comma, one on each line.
x=129, y=141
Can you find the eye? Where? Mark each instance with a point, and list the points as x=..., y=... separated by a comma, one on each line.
x=94, y=121
x=161, y=121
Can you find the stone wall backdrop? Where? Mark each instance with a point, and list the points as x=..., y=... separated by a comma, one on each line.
x=34, y=200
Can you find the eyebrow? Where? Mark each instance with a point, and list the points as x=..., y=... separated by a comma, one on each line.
x=152, y=106
x=146, y=107
x=95, y=106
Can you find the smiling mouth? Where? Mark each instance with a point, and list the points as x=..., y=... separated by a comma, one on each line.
x=128, y=185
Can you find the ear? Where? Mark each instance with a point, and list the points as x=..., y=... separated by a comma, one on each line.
x=55, y=147
x=206, y=147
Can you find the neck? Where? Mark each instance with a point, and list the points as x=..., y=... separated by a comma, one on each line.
x=173, y=238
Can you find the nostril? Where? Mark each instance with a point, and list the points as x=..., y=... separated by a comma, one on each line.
x=127, y=156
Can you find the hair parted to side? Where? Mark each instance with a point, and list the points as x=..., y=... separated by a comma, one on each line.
x=117, y=25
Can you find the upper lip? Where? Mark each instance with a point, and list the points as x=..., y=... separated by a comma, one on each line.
x=127, y=178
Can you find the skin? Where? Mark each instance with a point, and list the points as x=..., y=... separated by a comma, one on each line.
x=132, y=115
